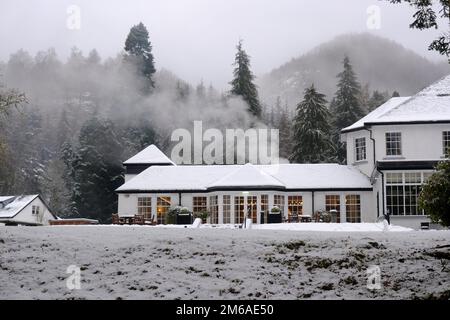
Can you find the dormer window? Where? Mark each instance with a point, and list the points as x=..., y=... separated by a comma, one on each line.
x=360, y=149
x=446, y=143
x=393, y=143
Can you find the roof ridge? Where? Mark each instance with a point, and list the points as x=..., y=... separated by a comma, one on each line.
x=263, y=173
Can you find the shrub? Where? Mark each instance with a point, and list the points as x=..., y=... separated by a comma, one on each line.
x=202, y=215
x=434, y=198
x=171, y=216
x=275, y=210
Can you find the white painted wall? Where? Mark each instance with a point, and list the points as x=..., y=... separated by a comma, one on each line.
x=26, y=216
x=409, y=221
x=128, y=203
x=365, y=166
x=419, y=142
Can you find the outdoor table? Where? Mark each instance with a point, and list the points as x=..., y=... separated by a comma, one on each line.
x=305, y=218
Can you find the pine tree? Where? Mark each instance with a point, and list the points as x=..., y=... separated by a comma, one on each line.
x=347, y=103
x=139, y=52
x=96, y=168
x=345, y=106
x=93, y=58
x=285, y=126
x=377, y=100
x=364, y=98
x=182, y=91
x=242, y=85
x=311, y=129
x=200, y=91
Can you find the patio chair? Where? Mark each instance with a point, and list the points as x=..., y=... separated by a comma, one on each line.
x=293, y=218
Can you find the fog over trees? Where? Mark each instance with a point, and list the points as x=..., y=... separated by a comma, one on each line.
x=67, y=126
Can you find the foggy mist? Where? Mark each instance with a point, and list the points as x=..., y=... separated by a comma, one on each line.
x=196, y=39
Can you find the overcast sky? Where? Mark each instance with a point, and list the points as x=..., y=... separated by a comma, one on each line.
x=196, y=38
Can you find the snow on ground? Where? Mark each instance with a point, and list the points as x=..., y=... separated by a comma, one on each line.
x=325, y=227
x=336, y=227
x=146, y=262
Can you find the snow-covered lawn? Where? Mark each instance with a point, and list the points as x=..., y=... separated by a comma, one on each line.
x=216, y=263
x=325, y=227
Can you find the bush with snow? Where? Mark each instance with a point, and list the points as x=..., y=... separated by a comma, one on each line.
x=434, y=198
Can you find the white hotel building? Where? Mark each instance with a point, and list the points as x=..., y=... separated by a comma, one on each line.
x=390, y=153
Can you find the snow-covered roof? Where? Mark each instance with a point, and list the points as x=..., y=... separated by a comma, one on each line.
x=5, y=198
x=289, y=176
x=150, y=155
x=247, y=176
x=319, y=176
x=432, y=104
x=14, y=207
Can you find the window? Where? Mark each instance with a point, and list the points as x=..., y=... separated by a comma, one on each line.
x=333, y=202
x=413, y=177
x=395, y=201
x=214, y=209
x=252, y=208
x=199, y=204
x=162, y=207
x=265, y=206
x=35, y=210
x=394, y=177
x=360, y=149
x=295, y=205
x=446, y=143
x=145, y=207
x=393, y=143
x=402, y=192
x=353, y=208
x=264, y=202
x=411, y=195
x=239, y=202
x=278, y=201
x=226, y=209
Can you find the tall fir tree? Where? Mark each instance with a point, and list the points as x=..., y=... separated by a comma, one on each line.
x=242, y=84
x=139, y=52
x=347, y=102
x=284, y=126
x=96, y=170
x=311, y=129
x=345, y=106
x=200, y=91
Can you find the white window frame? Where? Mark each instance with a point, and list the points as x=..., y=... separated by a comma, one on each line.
x=403, y=184
x=362, y=147
x=144, y=207
x=445, y=143
x=390, y=151
x=226, y=209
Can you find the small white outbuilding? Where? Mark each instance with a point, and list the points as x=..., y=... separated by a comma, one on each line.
x=25, y=210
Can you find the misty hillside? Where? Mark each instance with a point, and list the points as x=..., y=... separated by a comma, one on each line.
x=379, y=62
